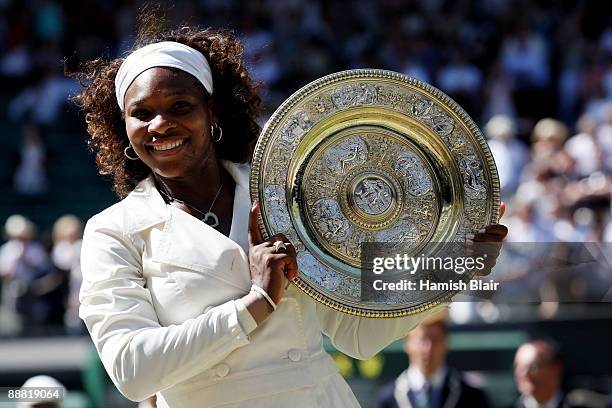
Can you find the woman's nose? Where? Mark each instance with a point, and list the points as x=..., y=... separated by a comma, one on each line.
x=160, y=124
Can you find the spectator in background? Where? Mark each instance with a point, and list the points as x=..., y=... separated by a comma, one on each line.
x=603, y=135
x=16, y=58
x=47, y=383
x=26, y=272
x=428, y=382
x=548, y=138
x=545, y=179
x=525, y=60
x=413, y=68
x=66, y=256
x=510, y=155
x=584, y=148
x=48, y=21
x=462, y=80
x=31, y=175
x=498, y=94
x=52, y=88
x=538, y=372
x=592, y=91
x=15, y=62
x=571, y=40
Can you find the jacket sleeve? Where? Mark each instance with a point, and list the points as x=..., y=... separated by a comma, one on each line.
x=140, y=355
x=361, y=337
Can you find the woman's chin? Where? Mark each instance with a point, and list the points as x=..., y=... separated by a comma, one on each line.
x=170, y=172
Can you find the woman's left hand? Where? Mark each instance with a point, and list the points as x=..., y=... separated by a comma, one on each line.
x=487, y=243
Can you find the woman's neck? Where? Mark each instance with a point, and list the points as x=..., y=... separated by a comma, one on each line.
x=198, y=189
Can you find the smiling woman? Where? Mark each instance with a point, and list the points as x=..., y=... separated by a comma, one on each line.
x=235, y=93
x=168, y=121
x=182, y=296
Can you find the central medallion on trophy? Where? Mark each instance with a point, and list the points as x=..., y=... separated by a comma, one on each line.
x=372, y=195
x=367, y=185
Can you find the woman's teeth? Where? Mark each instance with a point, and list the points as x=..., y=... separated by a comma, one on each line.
x=168, y=146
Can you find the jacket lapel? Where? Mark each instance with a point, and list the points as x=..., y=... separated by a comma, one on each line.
x=242, y=203
x=188, y=243
x=400, y=393
x=144, y=207
x=451, y=390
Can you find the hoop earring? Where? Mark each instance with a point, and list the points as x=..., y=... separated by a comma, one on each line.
x=125, y=153
x=215, y=127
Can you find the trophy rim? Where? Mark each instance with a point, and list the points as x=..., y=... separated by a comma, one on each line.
x=372, y=74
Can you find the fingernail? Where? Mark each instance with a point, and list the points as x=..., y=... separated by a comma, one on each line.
x=469, y=236
x=482, y=230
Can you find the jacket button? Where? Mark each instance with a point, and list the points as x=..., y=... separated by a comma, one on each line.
x=294, y=355
x=222, y=370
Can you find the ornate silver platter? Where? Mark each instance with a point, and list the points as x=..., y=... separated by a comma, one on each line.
x=370, y=156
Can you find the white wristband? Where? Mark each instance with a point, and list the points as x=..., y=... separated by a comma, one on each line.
x=255, y=288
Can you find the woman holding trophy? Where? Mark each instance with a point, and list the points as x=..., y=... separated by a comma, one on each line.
x=182, y=295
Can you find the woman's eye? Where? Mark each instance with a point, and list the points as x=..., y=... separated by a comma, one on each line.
x=140, y=113
x=181, y=105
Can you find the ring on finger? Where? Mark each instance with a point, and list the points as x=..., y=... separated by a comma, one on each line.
x=280, y=247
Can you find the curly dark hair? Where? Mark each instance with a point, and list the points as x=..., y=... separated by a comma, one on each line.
x=236, y=97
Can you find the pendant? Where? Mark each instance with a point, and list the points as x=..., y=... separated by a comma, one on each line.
x=213, y=217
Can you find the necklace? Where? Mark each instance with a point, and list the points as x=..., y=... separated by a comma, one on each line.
x=208, y=215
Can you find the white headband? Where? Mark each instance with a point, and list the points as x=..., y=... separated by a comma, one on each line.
x=162, y=54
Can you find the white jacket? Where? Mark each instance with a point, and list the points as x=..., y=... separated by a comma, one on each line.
x=159, y=297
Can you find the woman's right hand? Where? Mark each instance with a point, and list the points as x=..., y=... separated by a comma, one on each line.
x=268, y=267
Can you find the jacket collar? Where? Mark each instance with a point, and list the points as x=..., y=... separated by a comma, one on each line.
x=145, y=207
x=451, y=389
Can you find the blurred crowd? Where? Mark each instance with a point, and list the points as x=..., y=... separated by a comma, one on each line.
x=40, y=283
x=525, y=59
x=559, y=189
